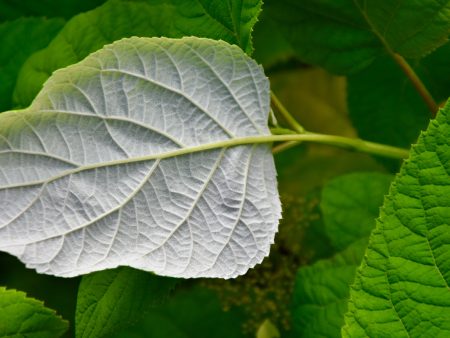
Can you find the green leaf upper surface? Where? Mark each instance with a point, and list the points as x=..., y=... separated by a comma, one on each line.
x=349, y=206
x=192, y=312
x=402, y=286
x=21, y=316
x=111, y=300
x=321, y=292
x=18, y=40
x=347, y=35
x=231, y=21
x=412, y=29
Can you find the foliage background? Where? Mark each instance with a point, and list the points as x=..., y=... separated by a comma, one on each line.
x=351, y=94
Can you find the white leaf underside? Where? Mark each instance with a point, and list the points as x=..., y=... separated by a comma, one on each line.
x=90, y=180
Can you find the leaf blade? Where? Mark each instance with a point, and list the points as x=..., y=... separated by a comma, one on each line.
x=346, y=36
x=32, y=34
x=111, y=300
x=174, y=318
x=171, y=195
x=321, y=292
x=22, y=316
x=402, y=285
x=349, y=204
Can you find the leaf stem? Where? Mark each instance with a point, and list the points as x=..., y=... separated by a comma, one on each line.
x=285, y=113
x=348, y=143
x=290, y=138
x=334, y=140
x=416, y=82
x=404, y=65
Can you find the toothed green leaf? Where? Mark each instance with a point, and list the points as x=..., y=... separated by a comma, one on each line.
x=22, y=316
x=402, y=286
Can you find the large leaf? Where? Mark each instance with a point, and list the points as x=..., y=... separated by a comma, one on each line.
x=346, y=35
x=231, y=21
x=349, y=205
x=21, y=316
x=31, y=34
x=112, y=300
x=402, y=286
x=110, y=165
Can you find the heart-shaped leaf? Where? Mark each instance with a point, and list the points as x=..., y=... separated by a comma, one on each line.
x=129, y=158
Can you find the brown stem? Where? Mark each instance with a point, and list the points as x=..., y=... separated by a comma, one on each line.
x=417, y=83
x=404, y=65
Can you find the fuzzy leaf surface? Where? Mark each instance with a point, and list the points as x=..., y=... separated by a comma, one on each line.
x=21, y=316
x=110, y=164
x=402, y=286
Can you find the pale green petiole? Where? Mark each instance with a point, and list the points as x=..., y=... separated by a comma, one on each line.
x=340, y=141
x=299, y=134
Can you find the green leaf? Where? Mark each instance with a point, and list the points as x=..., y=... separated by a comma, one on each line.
x=10, y=10
x=398, y=118
x=345, y=36
x=31, y=34
x=321, y=292
x=231, y=21
x=434, y=70
x=173, y=123
x=194, y=312
x=269, y=43
x=350, y=204
x=111, y=300
x=21, y=316
x=401, y=114
x=235, y=16
x=395, y=119
x=402, y=286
